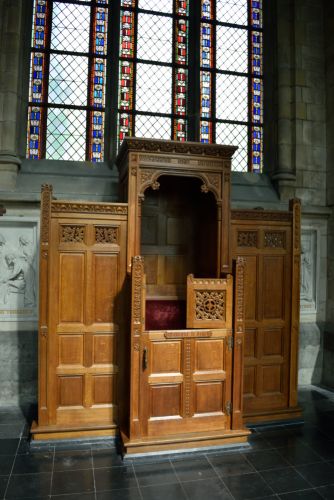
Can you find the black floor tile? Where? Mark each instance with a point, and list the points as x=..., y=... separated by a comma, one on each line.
x=266, y=459
x=327, y=491
x=73, y=481
x=70, y=460
x=301, y=495
x=124, y=494
x=106, y=458
x=324, y=448
x=24, y=447
x=318, y=474
x=33, y=463
x=6, y=463
x=299, y=454
x=9, y=446
x=193, y=469
x=29, y=485
x=115, y=478
x=3, y=485
x=163, y=492
x=285, y=480
x=76, y=496
x=247, y=486
x=257, y=442
x=231, y=464
x=210, y=489
x=281, y=439
x=159, y=473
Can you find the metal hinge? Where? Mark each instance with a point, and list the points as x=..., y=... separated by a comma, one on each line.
x=230, y=343
x=228, y=408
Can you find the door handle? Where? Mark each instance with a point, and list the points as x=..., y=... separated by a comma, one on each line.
x=145, y=358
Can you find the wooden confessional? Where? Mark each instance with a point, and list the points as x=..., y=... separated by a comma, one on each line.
x=155, y=311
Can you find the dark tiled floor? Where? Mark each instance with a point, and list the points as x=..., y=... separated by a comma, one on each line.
x=285, y=462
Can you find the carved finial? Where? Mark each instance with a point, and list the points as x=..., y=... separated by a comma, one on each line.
x=204, y=188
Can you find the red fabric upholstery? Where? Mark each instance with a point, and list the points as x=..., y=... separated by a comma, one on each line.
x=165, y=314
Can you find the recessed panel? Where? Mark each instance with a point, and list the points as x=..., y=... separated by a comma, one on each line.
x=166, y=357
x=209, y=397
x=103, y=349
x=273, y=342
x=103, y=389
x=249, y=380
x=105, y=277
x=175, y=269
x=273, y=287
x=251, y=288
x=71, y=283
x=250, y=342
x=176, y=233
x=272, y=377
x=149, y=230
x=70, y=349
x=165, y=400
x=209, y=355
x=70, y=391
x=151, y=269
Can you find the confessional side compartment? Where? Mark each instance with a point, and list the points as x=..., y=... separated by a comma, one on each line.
x=81, y=318
x=184, y=382
x=269, y=243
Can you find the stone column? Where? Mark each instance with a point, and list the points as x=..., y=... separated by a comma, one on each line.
x=10, y=90
x=285, y=174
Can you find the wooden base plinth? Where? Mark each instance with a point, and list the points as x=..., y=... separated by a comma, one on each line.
x=182, y=442
x=273, y=416
x=55, y=432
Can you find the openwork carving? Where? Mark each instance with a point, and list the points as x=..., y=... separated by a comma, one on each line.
x=274, y=239
x=98, y=208
x=46, y=196
x=72, y=234
x=247, y=239
x=210, y=305
x=106, y=234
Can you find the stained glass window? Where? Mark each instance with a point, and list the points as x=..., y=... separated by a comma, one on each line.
x=231, y=89
x=177, y=70
x=67, y=83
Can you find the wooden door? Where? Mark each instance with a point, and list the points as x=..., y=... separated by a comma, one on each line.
x=184, y=375
x=84, y=315
x=266, y=249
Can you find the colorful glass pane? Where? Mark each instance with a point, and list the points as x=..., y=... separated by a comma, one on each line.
x=206, y=77
x=256, y=13
x=180, y=71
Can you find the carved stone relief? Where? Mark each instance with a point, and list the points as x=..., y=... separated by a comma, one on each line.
x=308, y=269
x=18, y=270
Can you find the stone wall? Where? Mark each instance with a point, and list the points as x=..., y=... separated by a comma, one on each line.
x=328, y=370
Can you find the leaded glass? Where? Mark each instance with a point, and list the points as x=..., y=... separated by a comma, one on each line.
x=232, y=49
x=66, y=131
x=70, y=27
x=180, y=73
x=232, y=11
x=207, y=33
x=155, y=36
x=153, y=88
x=232, y=98
x=228, y=133
x=157, y=5
x=153, y=127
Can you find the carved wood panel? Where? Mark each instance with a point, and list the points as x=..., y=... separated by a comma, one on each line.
x=85, y=313
x=268, y=310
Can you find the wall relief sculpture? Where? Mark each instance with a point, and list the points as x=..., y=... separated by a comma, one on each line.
x=18, y=270
x=308, y=269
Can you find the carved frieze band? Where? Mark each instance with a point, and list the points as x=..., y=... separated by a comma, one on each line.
x=274, y=239
x=98, y=208
x=247, y=239
x=210, y=305
x=206, y=281
x=137, y=288
x=72, y=234
x=187, y=377
x=106, y=234
x=46, y=196
x=261, y=215
x=179, y=147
